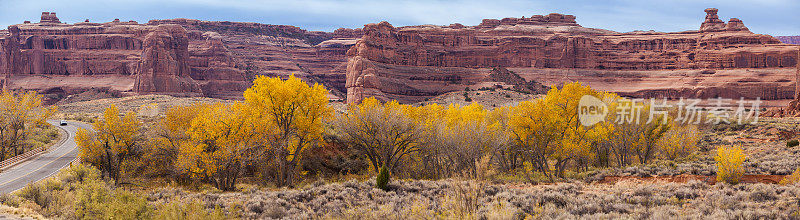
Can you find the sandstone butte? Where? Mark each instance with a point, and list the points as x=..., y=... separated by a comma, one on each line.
x=720, y=59
x=186, y=57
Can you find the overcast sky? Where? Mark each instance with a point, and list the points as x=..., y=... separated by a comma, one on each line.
x=775, y=17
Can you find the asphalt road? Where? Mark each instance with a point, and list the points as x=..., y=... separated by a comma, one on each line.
x=44, y=165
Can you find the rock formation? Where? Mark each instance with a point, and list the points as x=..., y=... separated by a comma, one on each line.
x=280, y=50
x=789, y=39
x=219, y=58
x=793, y=109
x=712, y=22
x=553, y=41
x=119, y=57
x=49, y=17
x=163, y=67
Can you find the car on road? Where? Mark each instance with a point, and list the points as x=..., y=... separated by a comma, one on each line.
x=63, y=123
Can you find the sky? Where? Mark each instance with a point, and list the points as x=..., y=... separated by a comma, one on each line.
x=774, y=17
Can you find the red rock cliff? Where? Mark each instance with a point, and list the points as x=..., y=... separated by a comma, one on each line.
x=545, y=42
x=277, y=50
x=163, y=67
x=122, y=57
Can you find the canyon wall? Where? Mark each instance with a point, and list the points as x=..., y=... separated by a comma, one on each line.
x=64, y=59
x=552, y=41
x=180, y=57
x=280, y=50
x=186, y=57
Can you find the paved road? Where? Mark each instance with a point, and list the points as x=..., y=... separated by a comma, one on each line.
x=44, y=165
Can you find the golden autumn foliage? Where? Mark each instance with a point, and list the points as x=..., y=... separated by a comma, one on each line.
x=115, y=141
x=19, y=115
x=386, y=133
x=266, y=135
x=793, y=178
x=290, y=114
x=547, y=131
x=544, y=136
x=222, y=141
x=636, y=136
x=462, y=136
x=428, y=141
x=680, y=141
x=729, y=164
x=170, y=133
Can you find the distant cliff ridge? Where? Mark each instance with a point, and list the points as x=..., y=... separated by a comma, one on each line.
x=186, y=57
x=789, y=39
x=388, y=60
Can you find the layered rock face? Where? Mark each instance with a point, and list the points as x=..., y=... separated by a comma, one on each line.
x=553, y=41
x=120, y=57
x=789, y=39
x=163, y=67
x=180, y=57
x=279, y=50
x=793, y=109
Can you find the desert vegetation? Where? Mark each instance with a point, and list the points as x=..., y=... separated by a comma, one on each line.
x=23, y=125
x=285, y=152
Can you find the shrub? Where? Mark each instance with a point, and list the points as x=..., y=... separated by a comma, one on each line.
x=95, y=200
x=794, y=178
x=792, y=143
x=382, y=181
x=187, y=210
x=37, y=194
x=729, y=164
x=79, y=173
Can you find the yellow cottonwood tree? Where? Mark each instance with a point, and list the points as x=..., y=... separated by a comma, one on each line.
x=549, y=129
x=223, y=140
x=462, y=136
x=19, y=114
x=536, y=132
x=115, y=141
x=385, y=133
x=169, y=134
x=679, y=141
x=291, y=114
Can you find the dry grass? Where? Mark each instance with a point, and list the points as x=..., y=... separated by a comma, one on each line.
x=144, y=105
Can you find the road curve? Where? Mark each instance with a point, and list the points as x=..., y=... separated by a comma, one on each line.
x=44, y=165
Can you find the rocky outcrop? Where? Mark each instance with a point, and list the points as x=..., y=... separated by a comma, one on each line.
x=712, y=22
x=49, y=17
x=516, y=82
x=163, y=67
x=556, y=42
x=367, y=78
